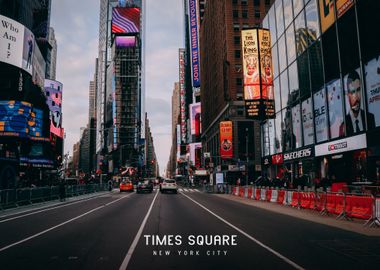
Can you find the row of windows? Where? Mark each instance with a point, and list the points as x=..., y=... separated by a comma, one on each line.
x=255, y=2
x=244, y=14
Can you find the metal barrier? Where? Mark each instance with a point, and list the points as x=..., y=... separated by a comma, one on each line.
x=16, y=197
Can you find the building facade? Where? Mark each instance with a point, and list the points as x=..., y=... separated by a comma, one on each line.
x=326, y=69
x=222, y=86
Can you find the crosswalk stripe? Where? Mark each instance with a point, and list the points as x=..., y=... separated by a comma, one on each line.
x=197, y=190
x=180, y=189
x=191, y=190
x=186, y=189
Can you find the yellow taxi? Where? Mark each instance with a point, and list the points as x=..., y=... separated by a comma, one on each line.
x=126, y=185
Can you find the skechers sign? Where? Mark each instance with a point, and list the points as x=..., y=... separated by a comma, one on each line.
x=308, y=152
x=340, y=146
x=194, y=42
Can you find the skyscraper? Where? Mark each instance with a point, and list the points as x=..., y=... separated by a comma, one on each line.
x=53, y=60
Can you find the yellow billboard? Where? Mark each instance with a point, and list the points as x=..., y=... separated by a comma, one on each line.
x=326, y=12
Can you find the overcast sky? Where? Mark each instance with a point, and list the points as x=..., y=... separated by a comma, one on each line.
x=76, y=25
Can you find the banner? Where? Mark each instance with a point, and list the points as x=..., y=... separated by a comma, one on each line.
x=334, y=99
x=258, y=73
x=226, y=150
x=195, y=118
x=326, y=13
x=320, y=115
x=307, y=122
x=194, y=42
x=182, y=93
x=372, y=79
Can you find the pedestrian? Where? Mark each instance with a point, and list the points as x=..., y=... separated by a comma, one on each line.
x=110, y=185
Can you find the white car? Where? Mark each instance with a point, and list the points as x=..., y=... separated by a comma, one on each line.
x=168, y=185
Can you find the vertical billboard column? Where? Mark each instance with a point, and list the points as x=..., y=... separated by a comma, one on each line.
x=182, y=93
x=226, y=149
x=258, y=74
x=195, y=118
x=53, y=93
x=194, y=42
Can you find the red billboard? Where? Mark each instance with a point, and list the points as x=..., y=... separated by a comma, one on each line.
x=226, y=150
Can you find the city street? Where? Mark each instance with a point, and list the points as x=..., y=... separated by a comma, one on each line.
x=165, y=231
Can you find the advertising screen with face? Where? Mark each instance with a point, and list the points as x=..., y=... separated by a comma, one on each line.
x=307, y=122
x=334, y=99
x=354, y=97
x=320, y=115
x=372, y=79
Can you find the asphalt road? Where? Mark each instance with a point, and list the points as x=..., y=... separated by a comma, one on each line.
x=175, y=231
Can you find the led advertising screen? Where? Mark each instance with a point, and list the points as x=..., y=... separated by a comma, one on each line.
x=320, y=115
x=258, y=74
x=354, y=96
x=226, y=150
x=125, y=41
x=307, y=122
x=194, y=42
x=195, y=117
x=53, y=93
x=14, y=117
x=195, y=156
x=125, y=20
x=334, y=100
x=326, y=13
x=35, y=123
x=372, y=80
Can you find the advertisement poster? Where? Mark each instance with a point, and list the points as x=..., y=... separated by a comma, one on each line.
x=195, y=117
x=195, y=154
x=320, y=115
x=372, y=80
x=182, y=93
x=326, y=12
x=125, y=20
x=53, y=93
x=342, y=6
x=278, y=130
x=251, y=66
x=226, y=150
x=307, y=122
x=355, y=115
x=335, y=103
x=16, y=44
x=297, y=129
x=271, y=131
x=194, y=42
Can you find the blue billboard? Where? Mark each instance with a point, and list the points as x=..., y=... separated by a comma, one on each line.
x=194, y=42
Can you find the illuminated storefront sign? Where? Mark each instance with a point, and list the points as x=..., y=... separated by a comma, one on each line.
x=182, y=93
x=258, y=74
x=226, y=150
x=303, y=153
x=340, y=146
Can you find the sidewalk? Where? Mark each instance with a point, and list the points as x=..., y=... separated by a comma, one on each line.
x=355, y=225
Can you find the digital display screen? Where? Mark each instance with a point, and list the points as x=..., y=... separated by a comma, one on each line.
x=125, y=20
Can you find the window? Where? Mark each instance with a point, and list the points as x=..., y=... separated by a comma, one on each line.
x=275, y=60
x=330, y=54
x=278, y=140
x=257, y=14
x=303, y=75
x=244, y=14
x=272, y=25
x=316, y=66
x=290, y=43
x=277, y=96
x=296, y=123
x=238, y=68
x=267, y=2
x=288, y=12
x=279, y=18
x=301, y=33
x=237, y=53
x=312, y=21
x=237, y=40
x=284, y=89
x=235, y=14
x=293, y=83
x=239, y=82
x=282, y=53
x=236, y=27
x=256, y=3
x=244, y=2
x=297, y=6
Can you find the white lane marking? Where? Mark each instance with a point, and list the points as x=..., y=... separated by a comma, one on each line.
x=44, y=209
x=127, y=258
x=61, y=224
x=287, y=260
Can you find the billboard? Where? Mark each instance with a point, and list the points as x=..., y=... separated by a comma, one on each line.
x=125, y=41
x=307, y=122
x=258, y=73
x=372, y=79
x=17, y=44
x=194, y=42
x=125, y=20
x=334, y=99
x=355, y=117
x=326, y=13
x=342, y=6
x=195, y=154
x=226, y=150
x=195, y=118
x=182, y=93
x=53, y=93
x=320, y=115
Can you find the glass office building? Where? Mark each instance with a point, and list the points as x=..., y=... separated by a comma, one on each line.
x=327, y=78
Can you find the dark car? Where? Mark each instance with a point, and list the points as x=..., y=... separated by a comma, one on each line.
x=145, y=185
